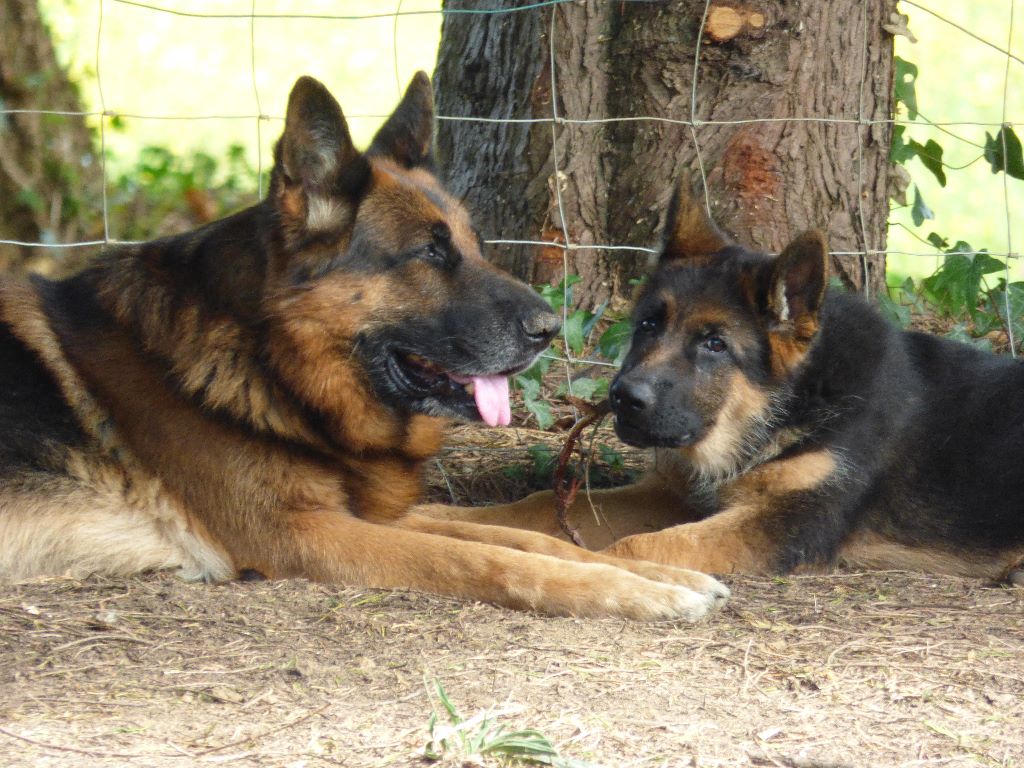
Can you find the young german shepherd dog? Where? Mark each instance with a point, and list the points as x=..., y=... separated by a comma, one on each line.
x=794, y=427
x=261, y=394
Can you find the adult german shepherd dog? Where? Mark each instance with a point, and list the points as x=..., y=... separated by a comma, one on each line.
x=794, y=427
x=262, y=393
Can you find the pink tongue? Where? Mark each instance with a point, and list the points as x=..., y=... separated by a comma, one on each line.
x=491, y=393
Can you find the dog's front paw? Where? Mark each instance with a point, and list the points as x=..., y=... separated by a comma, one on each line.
x=714, y=591
x=650, y=600
x=601, y=589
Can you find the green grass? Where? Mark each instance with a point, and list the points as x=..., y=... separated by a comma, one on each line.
x=481, y=740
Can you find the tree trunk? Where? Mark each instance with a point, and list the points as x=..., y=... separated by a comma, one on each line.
x=50, y=178
x=826, y=63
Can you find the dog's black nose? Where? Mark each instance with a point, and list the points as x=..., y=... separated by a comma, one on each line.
x=541, y=326
x=631, y=396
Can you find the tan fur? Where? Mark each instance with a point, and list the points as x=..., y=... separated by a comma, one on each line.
x=647, y=521
x=735, y=539
x=694, y=237
x=719, y=453
x=312, y=345
x=527, y=541
x=98, y=520
x=789, y=348
x=602, y=516
x=871, y=550
x=700, y=318
x=800, y=473
x=728, y=542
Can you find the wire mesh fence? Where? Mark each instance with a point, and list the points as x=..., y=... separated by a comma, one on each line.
x=241, y=23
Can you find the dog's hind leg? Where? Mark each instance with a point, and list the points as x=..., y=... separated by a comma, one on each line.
x=61, y=528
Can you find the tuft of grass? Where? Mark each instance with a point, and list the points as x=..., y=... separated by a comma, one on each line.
x=472, y=739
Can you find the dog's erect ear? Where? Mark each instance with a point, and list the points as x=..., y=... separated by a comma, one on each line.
x=408, y=135
x=689, y=233
x=316, y=149
x=318, y=173
x=797, y=279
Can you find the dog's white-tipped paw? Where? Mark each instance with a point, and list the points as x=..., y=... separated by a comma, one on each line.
x=715, y=591
x=660, y=601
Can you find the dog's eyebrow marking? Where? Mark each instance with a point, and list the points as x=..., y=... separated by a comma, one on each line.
x=703, y=317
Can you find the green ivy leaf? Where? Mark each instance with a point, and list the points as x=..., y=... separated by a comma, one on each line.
x=528, y=386
x=900, y=152
x=611, y=457
x=573, y=330
x=986, y=320
x=1016, y=301
x=543, y=460
x=1012, y=160
x=615, y=341
x=895, y=311
x=583, y=387
x=919, y=212
x=938, y=241
x=960, y=332
x=904, y=87
x=957, y=283
x=557, y=296
x=541, y=411
x=930, y=155
x=534, y=374
x=597, y=315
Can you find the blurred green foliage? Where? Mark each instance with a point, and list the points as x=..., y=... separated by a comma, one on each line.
x=164, y=192
x=970, y=286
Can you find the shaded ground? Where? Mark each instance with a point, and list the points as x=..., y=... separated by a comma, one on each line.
x=883, y=669
x=877, y=670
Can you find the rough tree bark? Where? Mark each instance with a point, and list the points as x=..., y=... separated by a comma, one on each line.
x=815, y=60
x=49, y=173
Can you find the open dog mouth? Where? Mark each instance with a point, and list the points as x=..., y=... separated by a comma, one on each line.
x=483, y=395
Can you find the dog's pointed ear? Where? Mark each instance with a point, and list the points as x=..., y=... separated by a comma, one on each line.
x=318, y=172
x=797, y=280
x=408, y=135
x=689, y=232
x=316, y=147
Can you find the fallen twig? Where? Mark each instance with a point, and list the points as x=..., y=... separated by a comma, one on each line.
x=566, y=489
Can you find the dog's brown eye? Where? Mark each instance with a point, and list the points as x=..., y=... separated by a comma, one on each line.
x=714, y=344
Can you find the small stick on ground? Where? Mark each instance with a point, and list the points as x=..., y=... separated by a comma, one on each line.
x=565, y=490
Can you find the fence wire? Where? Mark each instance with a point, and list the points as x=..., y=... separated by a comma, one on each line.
x=558, y=19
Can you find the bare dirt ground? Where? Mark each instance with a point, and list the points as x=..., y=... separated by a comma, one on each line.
x=884, y=669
